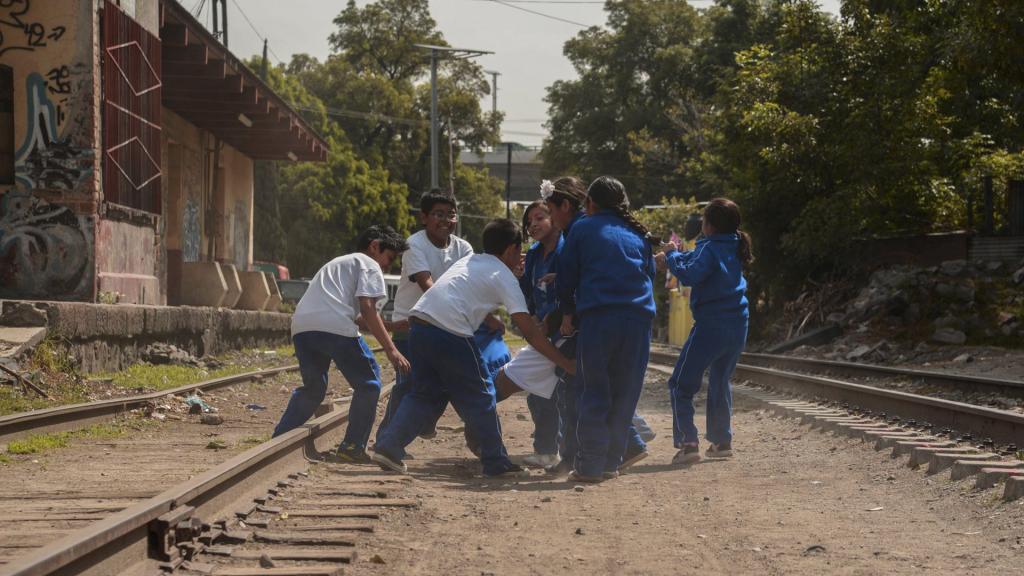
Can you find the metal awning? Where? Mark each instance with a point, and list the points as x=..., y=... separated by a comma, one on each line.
x=208, y=86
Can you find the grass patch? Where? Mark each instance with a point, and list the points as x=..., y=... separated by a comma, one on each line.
x=37, y=443
x=254, y=440
x=167, y=376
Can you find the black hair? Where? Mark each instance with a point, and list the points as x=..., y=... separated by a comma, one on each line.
x=389, y=239
x=609, y=194
x=724, y=216
x=526, y=217
x=436, y=196
x=568, y=189
x=499, y=234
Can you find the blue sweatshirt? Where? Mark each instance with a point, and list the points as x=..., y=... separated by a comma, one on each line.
x=714, y=272
x=541, y=299
x=605, y=264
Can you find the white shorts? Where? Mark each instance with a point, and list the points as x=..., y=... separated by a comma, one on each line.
x=533, y=372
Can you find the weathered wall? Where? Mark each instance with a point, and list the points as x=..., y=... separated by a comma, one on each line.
x=47, y=219
x=129, y=254
x=194, y=212
x=107, y=338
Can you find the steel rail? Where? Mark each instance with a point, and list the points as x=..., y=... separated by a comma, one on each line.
x=70, y=416
x=876, y=371
x=123, y=543
x=982, y=422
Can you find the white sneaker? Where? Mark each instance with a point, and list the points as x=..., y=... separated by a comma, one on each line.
x=542, y=460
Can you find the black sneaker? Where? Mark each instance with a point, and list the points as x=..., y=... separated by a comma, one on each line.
x=723, y=450
x=388, y=461
x=509, y=470
x=562, y=468
x=352, y=454
x=690, y=454
x=630, y=459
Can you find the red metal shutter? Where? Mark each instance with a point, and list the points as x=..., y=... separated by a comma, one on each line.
x=131, y=112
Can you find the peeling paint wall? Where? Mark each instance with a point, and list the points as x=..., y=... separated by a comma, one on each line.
x=48, y=217
x=204, y=221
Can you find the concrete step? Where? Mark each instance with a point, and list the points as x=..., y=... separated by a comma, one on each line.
x=890, y=441
x=965, y=468
x=923, y=455
x=940, y=462
x=903, y=448
x=15, y=341
x=989, y=477
x=1014, y=488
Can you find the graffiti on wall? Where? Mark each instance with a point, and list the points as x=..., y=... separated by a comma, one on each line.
x=191, y=238
x=45, y=250
x=45, y=159
x=240, y=237
x=19, y=31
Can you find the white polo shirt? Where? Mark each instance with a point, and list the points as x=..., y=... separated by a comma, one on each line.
x=423, y=256
x=470, y=290
x=331, y=303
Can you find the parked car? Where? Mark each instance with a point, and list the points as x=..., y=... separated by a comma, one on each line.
x=279, y=271
x=292, y=290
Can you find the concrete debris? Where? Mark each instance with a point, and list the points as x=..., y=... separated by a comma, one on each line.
x=963, y=358
x=212, y=419
x=162, y=353
x=949, y=336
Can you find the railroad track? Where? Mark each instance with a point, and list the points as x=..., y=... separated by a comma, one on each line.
x=936, y=434
x=73, y=416
x=276, y=505
x=980, y=422
x=187, y=525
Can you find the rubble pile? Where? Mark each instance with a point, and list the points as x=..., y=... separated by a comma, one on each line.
x=958, y=302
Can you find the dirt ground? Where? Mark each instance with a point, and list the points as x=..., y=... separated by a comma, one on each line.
x=792, y=501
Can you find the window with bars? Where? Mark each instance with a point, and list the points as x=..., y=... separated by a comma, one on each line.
x=131, y=112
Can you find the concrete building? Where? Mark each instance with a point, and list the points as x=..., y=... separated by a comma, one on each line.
x=526, y=168
x=127, y=140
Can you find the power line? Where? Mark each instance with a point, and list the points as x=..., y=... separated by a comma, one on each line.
x=534, y=12
x=255, y=30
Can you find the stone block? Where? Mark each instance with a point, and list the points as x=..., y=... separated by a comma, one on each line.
x=255, y=292
x=990, y=476
x=14, y=341
x=889, y=440
x=903, y=448
x=1014, y=488
x=234, y=285
x=202, y=284
x=924, y=455
x=275, y=294
x=940, y=462
x=965, y=468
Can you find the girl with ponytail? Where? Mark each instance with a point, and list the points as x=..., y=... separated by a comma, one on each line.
x=605, y=287
x=718, y=299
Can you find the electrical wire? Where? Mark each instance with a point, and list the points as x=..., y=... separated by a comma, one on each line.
x=536, y=13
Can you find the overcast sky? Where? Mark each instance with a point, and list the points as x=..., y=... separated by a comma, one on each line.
x=527, y=47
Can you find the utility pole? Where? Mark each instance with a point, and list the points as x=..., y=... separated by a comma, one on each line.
x=438, y=53
x=494, y=89
x=263, y=66
x=508, y=183
x=219, y=29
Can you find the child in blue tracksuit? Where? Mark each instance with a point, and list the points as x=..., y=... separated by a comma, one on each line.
x=605, y=279
x=714, y=270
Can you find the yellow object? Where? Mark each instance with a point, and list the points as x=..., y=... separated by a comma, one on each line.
x=680, y=319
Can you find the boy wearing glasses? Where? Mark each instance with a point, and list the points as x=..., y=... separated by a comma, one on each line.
x=432, y=251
